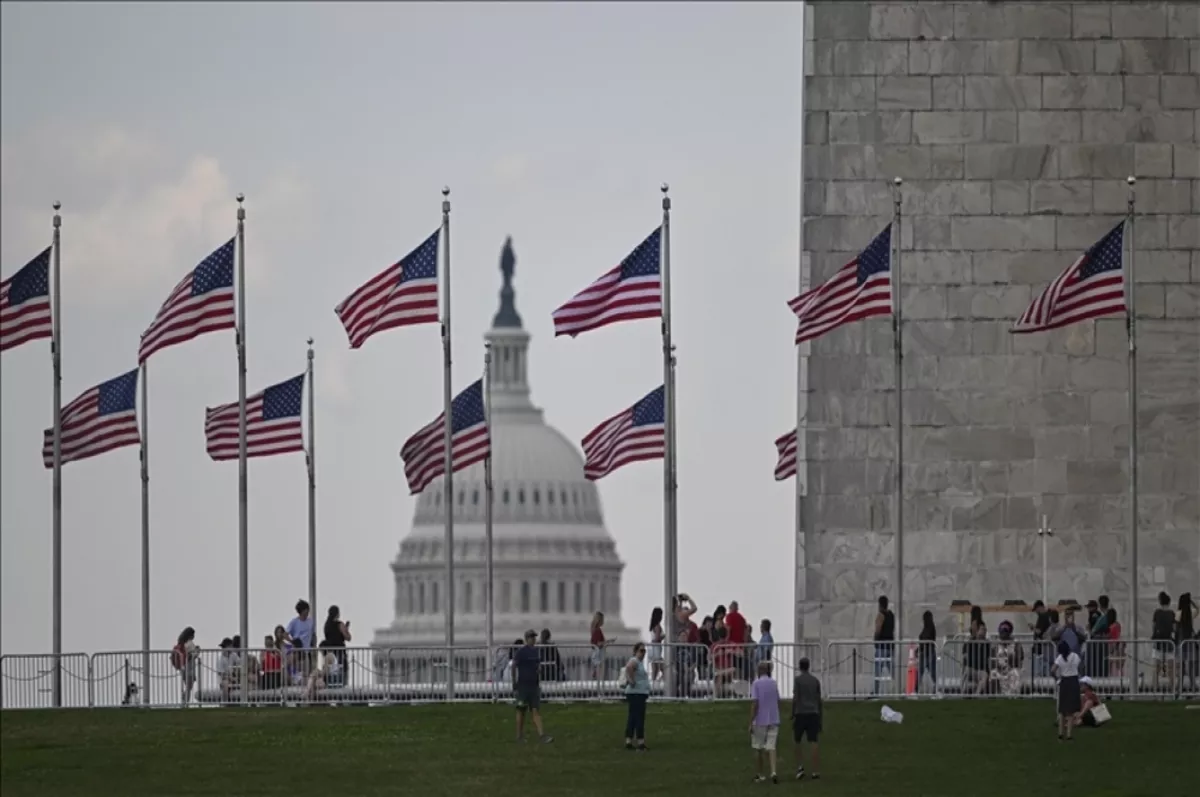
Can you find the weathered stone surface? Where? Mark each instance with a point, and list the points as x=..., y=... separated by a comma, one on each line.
x=1181, y=91
x=1061, y=196
x=904, y=93
x=988, y=92
x=947, y=127
x=948, y=93
x=1082, y=91
x=1003, y=233
x=1014, y=141
x=870, y=127
x=869, y=58
x=1094, y=160
x=1049, y=127
x=1091, y=21
x=1141, y=57
x=1010, y=161
x=1012, y=21
x=1057, y=57
x=947, y=57
x=1140, y=20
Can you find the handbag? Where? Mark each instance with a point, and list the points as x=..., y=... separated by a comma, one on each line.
x=1100, y=714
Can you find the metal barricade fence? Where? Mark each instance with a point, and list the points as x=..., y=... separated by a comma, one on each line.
x=858, y=669
x=27, y=680
x=849, y=669
x=1188, y=659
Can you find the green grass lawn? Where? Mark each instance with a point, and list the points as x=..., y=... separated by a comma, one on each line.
x=1006, y=748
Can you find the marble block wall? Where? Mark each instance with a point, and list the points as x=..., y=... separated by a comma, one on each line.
x=1013, y=126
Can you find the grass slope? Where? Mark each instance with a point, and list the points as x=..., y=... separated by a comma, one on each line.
x=943, y=748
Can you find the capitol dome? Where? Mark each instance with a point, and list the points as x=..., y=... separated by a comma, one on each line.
x=554, y=562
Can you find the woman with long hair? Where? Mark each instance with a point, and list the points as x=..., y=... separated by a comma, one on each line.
x=1185, y=646
x=337, y=634
x=655, y=652
x=599, y=643
x=927, y=651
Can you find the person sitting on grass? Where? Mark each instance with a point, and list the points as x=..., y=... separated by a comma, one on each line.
x=1090, y=701
x=526, y=684
x=764, y=721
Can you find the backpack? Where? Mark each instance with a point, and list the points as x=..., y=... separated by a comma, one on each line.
x=178, y=656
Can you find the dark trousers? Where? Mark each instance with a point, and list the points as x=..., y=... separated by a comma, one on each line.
x=635, y=723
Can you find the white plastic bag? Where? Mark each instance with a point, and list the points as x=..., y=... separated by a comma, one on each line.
x=888, y=715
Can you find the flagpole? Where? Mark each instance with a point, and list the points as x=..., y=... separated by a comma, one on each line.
x=1130, y=316
x=448, y=417
x=670, y=552
x=490, y=627
x=56, y=489
x=243, y=520
x=799, y=552
x=145, y=457
x=311, y=459
x=898, y=348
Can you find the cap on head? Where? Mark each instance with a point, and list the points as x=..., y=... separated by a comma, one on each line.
x=530, y=635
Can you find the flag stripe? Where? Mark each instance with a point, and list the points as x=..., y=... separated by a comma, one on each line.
x=424, y=453
x=403, y=294
x=631, y=291
x=860, y=289
x=620, y=440
x=202, y=302
x=785, y=446
x=88, y=429
x=25, y=313
x=1093, y=286
x=267, y=433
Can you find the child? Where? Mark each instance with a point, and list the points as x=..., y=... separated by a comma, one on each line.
x=764, y=720
x=1066, y=668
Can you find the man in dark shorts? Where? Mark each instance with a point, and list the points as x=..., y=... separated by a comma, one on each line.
x=527, y=662
x=806, y=717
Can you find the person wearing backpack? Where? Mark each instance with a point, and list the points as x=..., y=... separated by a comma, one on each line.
x=636, y=683
x=183, y=659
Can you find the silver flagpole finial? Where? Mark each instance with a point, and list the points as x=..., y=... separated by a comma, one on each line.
x=898, y=181
x=1131, y=179
x=310, y=341
x=57, y=205
x=664, y=188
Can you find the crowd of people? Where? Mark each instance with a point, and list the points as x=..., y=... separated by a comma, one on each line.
x=290, y=656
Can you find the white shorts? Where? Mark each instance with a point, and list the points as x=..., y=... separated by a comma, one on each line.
x=763, y=737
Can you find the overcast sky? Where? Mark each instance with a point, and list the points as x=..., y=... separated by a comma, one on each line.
x=554, y=123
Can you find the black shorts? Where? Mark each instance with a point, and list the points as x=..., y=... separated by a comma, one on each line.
x=528, y=697
x=806, y=725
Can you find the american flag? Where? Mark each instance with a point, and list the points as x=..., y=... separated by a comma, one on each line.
x=633, y=435
x=424, y=453
x=201, y=302
x=860, y=289
x=272, y=423
x=630, y=291
x=25, y=303
x=786, y=466
x=404, y=294
x=101, y=419
x=1093, y=286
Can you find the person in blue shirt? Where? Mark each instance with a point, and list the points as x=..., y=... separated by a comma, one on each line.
x=765, y=641
x=527, y=661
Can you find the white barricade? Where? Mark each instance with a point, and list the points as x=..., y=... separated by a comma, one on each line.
x=848, y=669
x=27, y=681
x=858, y=669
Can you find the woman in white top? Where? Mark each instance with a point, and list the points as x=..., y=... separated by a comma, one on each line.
x=655, y=653
x=1066, y=668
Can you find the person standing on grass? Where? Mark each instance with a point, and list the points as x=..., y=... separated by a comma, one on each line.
x=807, y=712
x=637, y=692
x=1066, y=668
x=527, y=686
x=764, y=721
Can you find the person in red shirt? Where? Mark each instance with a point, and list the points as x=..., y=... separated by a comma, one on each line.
x=272, y=665
x=737, y=627
x=724, y=654
x=599, y=643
